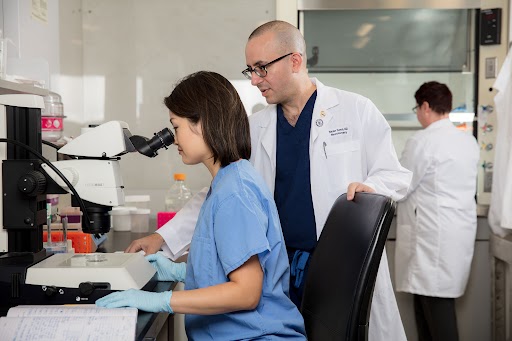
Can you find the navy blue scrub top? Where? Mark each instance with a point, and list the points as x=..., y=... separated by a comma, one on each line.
x=293, y=182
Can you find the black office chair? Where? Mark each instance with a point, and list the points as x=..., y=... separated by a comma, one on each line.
x=339, y=285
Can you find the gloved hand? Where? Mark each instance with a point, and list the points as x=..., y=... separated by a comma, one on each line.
x=167, y=270
x=155, y=302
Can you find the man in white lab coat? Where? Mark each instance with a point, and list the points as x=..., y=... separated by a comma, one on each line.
x=436, y=223
x=311, y=144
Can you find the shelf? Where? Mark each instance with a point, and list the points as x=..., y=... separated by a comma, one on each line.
x=7, y=87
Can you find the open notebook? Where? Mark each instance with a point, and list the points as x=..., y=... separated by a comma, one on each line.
x=68, y=322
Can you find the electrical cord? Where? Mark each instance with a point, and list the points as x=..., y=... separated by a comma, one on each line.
x=53, y=145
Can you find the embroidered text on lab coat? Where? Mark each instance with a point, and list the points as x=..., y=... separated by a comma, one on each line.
x=339, y=131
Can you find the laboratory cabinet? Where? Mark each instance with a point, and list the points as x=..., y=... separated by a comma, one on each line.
x=384, y=50
x=501, y=272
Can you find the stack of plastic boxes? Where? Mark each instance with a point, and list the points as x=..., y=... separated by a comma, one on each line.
x=134, y=216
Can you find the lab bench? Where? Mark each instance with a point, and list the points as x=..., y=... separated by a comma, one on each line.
x=150, y=326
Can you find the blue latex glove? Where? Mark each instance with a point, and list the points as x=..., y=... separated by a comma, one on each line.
x=155, y=302
x=167, y=270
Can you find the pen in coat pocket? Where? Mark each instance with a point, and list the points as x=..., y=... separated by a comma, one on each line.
x=325, y=145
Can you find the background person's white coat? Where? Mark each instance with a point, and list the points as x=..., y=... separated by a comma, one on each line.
x=500, y=219
x=436, y=223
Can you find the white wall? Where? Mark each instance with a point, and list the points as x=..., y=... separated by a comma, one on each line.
x=120, y=58
x=70, y=85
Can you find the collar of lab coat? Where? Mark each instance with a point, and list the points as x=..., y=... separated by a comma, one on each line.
x=445, y=122
x=325, y=99
x=267, y=118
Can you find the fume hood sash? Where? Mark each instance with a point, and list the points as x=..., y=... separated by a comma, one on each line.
x=305, y=5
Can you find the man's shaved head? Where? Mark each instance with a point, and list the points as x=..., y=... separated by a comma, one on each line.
x=287, y=37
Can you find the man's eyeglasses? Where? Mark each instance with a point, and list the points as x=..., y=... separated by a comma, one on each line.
x=415, y=109
x=261, y=70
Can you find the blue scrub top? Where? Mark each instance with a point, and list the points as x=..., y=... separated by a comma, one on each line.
x=239, y=219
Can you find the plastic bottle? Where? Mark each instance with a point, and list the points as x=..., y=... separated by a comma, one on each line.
x=178, y=194
x=52, y=116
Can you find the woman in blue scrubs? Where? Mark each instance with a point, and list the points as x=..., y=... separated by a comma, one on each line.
x=237, y=272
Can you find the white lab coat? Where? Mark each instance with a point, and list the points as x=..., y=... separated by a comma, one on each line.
x=350, y=141
x=500, y=220
x=436, y=223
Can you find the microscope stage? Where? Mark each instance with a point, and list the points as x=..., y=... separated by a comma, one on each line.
x=122, y=270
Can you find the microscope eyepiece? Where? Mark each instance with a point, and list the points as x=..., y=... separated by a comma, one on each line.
x=149, y=147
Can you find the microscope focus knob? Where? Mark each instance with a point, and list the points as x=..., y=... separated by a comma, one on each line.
x=86, y=288
x=32, y=183
x=51, y=291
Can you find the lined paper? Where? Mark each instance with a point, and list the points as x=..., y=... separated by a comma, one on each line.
x=70, y=323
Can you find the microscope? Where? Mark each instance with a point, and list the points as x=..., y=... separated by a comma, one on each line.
x=28, y=273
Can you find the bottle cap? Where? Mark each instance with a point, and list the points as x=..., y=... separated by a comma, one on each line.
x=180, y=176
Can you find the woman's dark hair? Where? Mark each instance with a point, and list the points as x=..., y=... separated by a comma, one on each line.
x=438, y=96
x=210, y=98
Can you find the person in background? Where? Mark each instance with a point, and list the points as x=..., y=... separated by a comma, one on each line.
x=311, y=144
x=436, y=221
x=237, y=272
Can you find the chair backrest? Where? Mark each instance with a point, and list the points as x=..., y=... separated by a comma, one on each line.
x=343, y=269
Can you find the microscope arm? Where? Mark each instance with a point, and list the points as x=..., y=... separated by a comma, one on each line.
x=97, y=181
